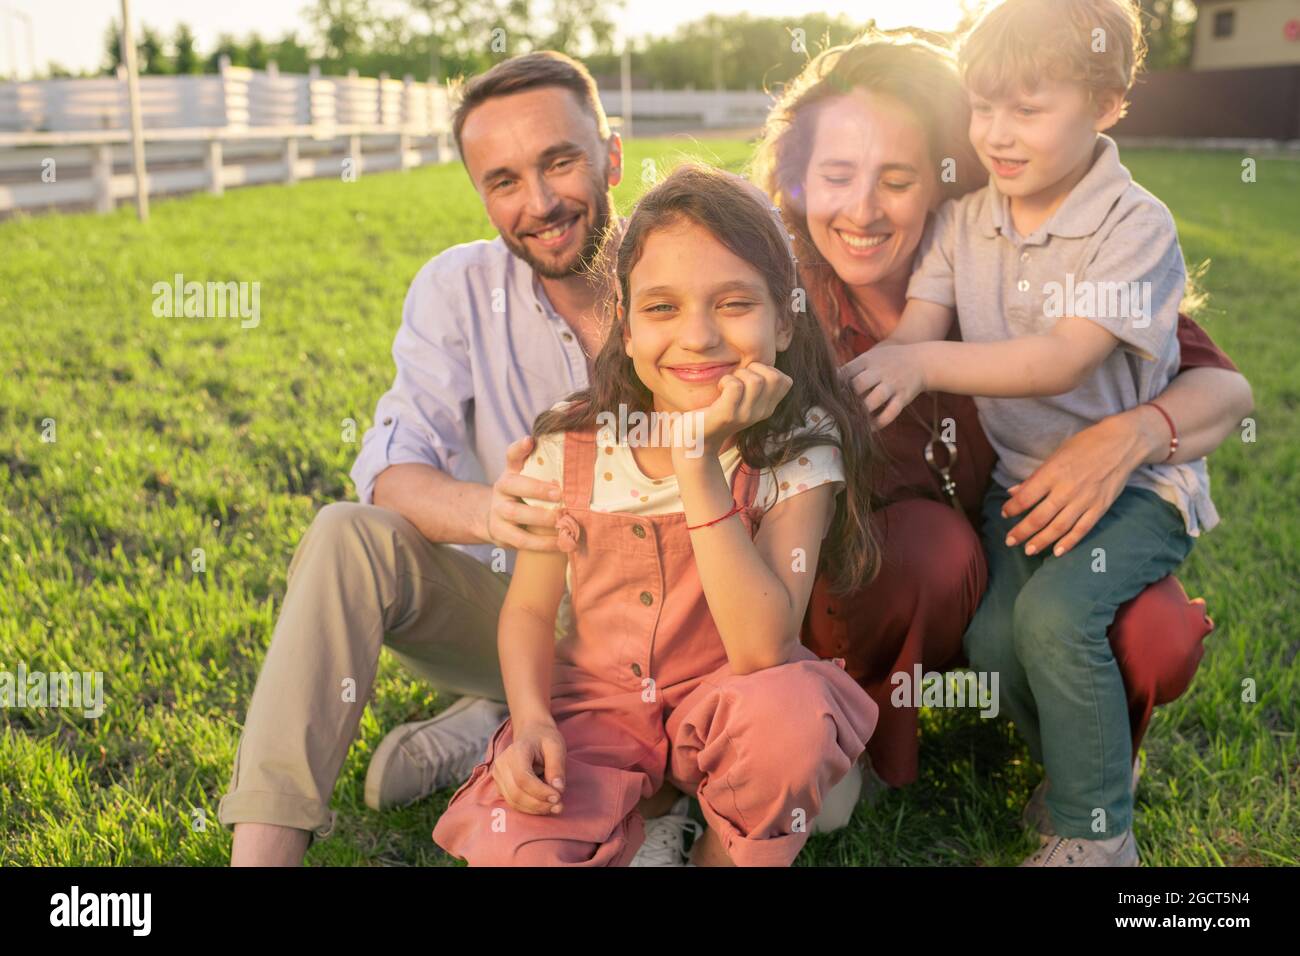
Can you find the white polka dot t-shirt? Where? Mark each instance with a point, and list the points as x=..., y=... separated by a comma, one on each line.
x=620, y=485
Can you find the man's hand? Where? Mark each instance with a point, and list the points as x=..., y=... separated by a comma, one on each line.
x=511, y=523
x=522, y=770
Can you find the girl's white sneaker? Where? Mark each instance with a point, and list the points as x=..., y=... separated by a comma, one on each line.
x=665, y=837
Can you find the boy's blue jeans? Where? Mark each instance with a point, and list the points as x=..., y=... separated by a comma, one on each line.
x=1042, y=627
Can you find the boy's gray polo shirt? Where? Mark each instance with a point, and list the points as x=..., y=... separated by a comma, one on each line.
x=479, y=354
x=1109, y=253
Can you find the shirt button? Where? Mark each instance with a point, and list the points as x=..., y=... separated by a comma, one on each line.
x=1023, y=285
x=1024, y=257
x=647, y=598
x=388, y=420
x=636, y=669
x=638, y=531
x=567, y=336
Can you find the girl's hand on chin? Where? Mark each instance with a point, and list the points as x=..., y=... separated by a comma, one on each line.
x=745, y=396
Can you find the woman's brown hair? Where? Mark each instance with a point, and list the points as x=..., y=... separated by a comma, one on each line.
x=740, y=218
x=911, y=66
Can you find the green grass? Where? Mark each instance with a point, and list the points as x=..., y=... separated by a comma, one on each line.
x=176, y=434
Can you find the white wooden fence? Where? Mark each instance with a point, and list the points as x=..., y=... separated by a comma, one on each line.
x=66, y=142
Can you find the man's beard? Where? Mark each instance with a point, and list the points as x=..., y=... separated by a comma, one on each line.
x=584, y=256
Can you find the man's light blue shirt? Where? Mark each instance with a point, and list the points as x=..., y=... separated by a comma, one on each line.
x=479, y=354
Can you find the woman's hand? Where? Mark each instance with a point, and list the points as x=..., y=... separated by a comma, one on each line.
x=888, y=377
x=1067, y=494
x=537, y=748
x=745, y=396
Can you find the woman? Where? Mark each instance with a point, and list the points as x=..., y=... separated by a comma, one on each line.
x=861, y=148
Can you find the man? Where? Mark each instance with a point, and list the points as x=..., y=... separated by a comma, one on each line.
x=492, y=334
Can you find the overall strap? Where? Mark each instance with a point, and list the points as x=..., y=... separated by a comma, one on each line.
x=579, y=468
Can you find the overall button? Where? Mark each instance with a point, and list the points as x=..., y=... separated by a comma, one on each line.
x=1024, y=257
x=388, y=420
x=567, y=336
x=638, y=531
x=647, y=598
x=1023, y=285
x=636, y=669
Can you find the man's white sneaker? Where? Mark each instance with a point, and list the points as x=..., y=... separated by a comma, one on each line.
x=665, y=837
x=415, y=759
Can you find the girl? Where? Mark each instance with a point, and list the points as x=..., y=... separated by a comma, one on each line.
x=683, y=660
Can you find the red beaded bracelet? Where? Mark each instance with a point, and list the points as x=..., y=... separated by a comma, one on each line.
x=1173, y=432
x=692, y=527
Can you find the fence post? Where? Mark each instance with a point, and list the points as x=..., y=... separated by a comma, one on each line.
x=223, y=67
x=313, y=74
x=212, y=166
x=354, y=154
x=291, y=159
x=102, y=176
x=405, y=120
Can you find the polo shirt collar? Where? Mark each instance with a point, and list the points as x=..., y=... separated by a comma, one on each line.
x=1084, y=209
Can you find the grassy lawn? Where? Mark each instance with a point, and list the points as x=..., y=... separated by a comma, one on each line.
x=180, y=434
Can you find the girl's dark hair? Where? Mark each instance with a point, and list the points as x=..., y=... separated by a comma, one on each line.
x=739, y=217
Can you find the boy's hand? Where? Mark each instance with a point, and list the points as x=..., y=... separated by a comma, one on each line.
x=745, y=396
x=537, y=748
x=888, y=377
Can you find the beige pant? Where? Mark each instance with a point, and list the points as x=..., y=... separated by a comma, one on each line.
x=362, y=578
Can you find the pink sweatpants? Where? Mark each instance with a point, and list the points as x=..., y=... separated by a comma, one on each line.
x=759, y=751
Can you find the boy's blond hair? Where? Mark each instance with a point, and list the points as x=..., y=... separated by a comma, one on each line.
x=1015, y=44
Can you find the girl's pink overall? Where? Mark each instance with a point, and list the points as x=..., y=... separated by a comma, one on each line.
x=642, y=691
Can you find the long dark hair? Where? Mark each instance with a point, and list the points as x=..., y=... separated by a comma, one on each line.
x=737, y=214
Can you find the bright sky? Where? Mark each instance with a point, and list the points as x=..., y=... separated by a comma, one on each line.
x=71, y=32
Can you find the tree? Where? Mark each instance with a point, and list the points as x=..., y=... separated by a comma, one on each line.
x=150, y=56
x=186, y=57
x=113, y=47
x=227, y=46
x=149, y=49
x=255, y=52
x=342, y=26
x=1168, y=25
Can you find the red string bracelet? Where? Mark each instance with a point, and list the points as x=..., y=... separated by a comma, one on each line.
x=1173, y=432
x=692, y=527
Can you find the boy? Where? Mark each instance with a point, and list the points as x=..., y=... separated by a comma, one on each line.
x=1066, y=278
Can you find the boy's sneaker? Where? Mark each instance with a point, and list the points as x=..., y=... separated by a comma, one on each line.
x=665, y=837
x=1072, y=851
x=1035, y=815
x=415, y=759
